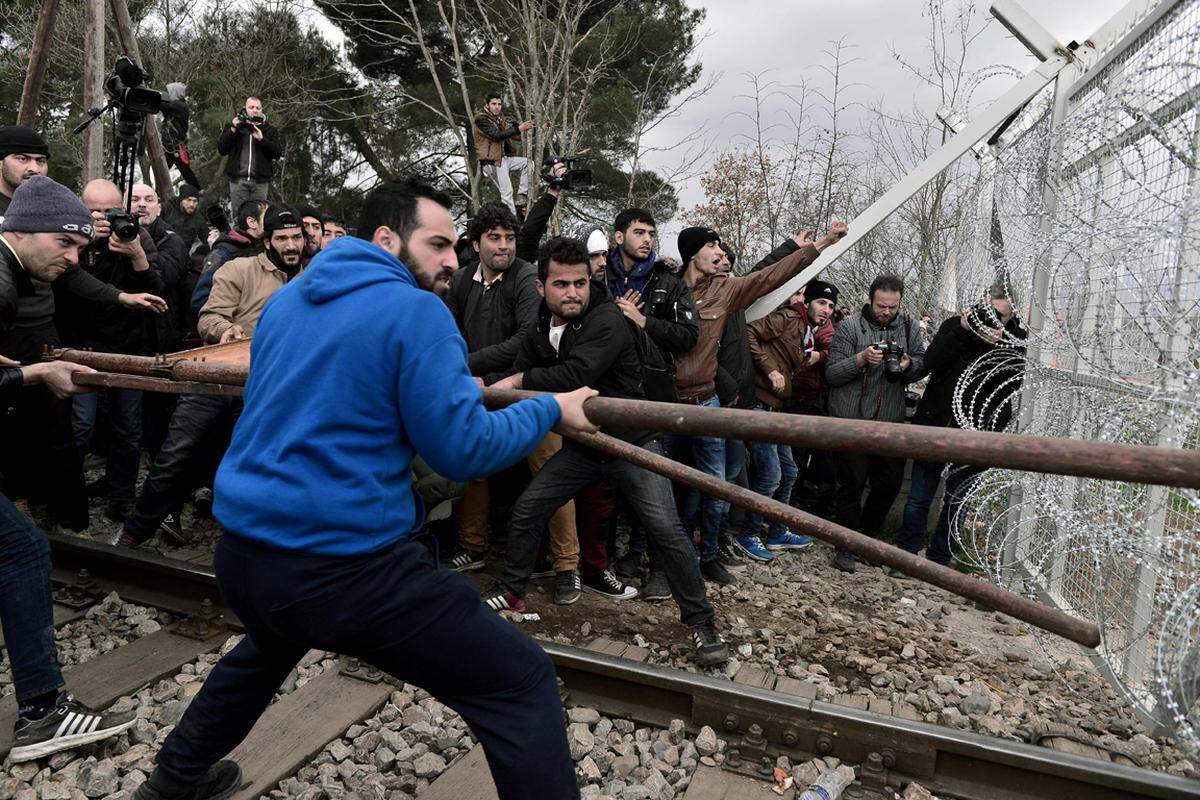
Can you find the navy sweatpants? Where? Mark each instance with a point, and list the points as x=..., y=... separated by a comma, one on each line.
x=394, y=609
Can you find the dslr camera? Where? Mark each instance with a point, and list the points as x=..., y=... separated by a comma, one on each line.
x=124, y=225
x=892, y=353
x=247, y=121
x=573, y=178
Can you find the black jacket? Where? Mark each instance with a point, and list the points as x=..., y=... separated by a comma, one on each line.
x=191, y=228
x=262, y=154
x=111, y=329
x=528, y=239
x=596, y=350
x=493, y=319
x=671, y=321
x=987, y=394
x=173, y=265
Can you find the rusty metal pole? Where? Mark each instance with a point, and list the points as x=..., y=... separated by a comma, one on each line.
x=1165, y=466
x=93, y=87
x=154, y=145
x=39, y=57
x=872, y=550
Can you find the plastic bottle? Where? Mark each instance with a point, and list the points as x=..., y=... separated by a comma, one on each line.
x=829, y=786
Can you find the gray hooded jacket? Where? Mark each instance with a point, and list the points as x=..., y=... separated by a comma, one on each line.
x=864, y=393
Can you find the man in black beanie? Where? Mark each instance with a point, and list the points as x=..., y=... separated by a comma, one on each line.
x=183, y=217
x=23, y=154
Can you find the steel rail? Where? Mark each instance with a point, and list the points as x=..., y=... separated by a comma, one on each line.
x=1085, y=459
x=958, y=763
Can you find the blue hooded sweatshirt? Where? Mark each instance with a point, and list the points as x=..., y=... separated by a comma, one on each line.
x=354, y=369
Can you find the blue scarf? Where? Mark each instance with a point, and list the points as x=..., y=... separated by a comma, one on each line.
x=635, y=279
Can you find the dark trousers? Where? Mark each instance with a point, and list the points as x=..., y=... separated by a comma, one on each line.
x=197, y=421
x=394, y=609
x=854, y=472
x=124, y=408
x=26, y=610
x=926, y=476
x=647, y=494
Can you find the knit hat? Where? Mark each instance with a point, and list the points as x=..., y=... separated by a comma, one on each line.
x=597, y=242
x=187, y=190
x=19, y=139
x=305, y=210
x=279, y=217
x=818, y=289
x=692, y=239
x=40, y=205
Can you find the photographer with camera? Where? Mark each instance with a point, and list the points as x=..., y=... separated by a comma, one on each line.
x=494, y=136
x=871, y=359
x=988, y=341
x=252, y=146
x=121, y=253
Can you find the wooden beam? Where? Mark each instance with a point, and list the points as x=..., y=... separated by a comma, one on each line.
x=154, y=145
x=39, y=57
x=93, y=87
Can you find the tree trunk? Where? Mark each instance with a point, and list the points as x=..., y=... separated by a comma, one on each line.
x=93, y=87
x=39, y=56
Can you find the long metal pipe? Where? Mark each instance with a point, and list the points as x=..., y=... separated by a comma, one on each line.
x=872, y=550
x=1086, y=459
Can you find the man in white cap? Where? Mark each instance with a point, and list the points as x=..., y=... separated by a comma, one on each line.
x=597, y=245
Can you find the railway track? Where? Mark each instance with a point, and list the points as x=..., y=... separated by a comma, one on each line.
x=760, y=715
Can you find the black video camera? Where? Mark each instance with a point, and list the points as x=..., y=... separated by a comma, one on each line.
x=573, y=178
x=124, y=88
x=248, y=121
x=124, y=225
x=892, y=354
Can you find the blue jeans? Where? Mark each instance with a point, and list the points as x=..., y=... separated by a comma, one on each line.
x=774, y=476
x=708, y=456
x=394, y=609
x=735, y=473
x=125, y=415
x=646, y=494
x=167, y=484
x=26, y=609
x=925, y=479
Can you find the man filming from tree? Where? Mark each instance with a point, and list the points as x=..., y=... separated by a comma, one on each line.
x=252, y=146
x=494, y=135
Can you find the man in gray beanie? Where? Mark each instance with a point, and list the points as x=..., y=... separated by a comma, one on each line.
x=23, y=154
x=39, y=242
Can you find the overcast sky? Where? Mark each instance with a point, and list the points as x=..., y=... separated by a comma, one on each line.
x=787, y=36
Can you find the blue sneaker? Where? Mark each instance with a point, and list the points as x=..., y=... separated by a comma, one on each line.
x=752, y=546
x=787, y=541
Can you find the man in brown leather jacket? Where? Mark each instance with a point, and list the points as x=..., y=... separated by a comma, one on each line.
x=494, y=136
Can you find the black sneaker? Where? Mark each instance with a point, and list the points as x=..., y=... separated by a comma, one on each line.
x=221, y=781
x=566, y=587
x=710, y=647
x=716, y=572
x=202, y=500
x=465, y=561
x=70, y=724
x=171, y=529
x=845, y=561
x=542, y=569
x=727, y=554
x=118, y=510
x=500, y=599
x=656, y=587
x=629, y=565
x=606, y=584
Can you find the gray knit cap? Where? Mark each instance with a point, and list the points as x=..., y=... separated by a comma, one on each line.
x=40, y=205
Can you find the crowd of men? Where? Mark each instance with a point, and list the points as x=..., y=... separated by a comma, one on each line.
x=553, y=315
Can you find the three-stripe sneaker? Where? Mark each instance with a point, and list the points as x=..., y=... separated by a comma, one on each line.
x=710, y=647
x=465, y=561
x=500, y=599
x=70, y=724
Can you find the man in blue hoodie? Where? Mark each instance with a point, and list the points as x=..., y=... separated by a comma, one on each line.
x=357, y=367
